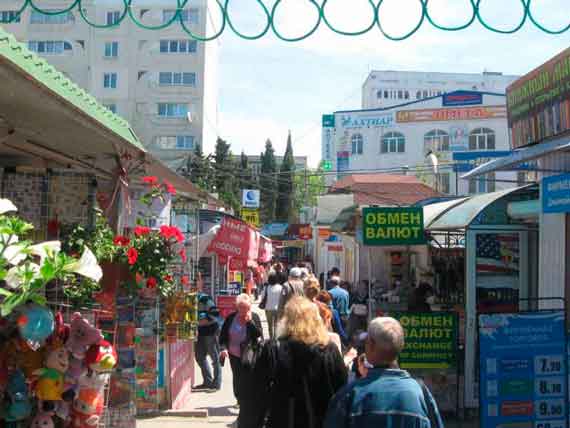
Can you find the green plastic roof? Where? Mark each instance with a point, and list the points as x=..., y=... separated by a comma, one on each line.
x=40, y=70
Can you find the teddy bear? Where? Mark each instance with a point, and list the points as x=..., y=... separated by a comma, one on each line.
x=42, y=420
x=17, y=405
x=87, y=408
x=81, y=336
x=49, y=387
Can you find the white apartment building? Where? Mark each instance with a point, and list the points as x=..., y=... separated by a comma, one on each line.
x=463, y=129
x=163, y=82
x=388, y=88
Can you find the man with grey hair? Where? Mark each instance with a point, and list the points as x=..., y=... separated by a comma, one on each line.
x=387, y=396
x=293, y=287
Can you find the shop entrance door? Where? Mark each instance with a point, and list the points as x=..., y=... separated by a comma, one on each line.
x=497, y=275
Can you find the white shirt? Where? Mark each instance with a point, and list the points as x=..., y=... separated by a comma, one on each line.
x=273, y=297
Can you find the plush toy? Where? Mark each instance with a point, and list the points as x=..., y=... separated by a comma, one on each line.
x=42, y=420
x=35, y=324
x=102, y=357
x=87, y=408
x=81, y=336
x=17, y=405
x=60, y=332
x=18, y=355
x=50, y=385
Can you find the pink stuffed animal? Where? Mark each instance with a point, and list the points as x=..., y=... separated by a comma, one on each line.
x=81, y=336
x=42, y=420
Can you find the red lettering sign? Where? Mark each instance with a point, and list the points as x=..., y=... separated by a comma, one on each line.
x=517, y=408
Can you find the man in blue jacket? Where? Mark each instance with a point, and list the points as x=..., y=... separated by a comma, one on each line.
x=387, y=396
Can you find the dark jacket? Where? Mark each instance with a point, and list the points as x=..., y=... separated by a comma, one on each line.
x=281, y=374
x=254, y=330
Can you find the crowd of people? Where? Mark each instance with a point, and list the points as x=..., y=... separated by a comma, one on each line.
x=319, y=367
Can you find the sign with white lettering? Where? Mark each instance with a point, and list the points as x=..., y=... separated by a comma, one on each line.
x=393, y=226
x=431, y=340
x=556, y=194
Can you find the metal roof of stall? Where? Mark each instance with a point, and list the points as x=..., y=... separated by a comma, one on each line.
x=433, y=211
x=460, y=216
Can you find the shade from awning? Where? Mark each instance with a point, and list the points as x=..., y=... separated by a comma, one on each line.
x=462, y=215
x=519, y=156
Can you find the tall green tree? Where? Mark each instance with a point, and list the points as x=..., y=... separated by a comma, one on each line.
x=223, y=164
x=286, y=185
x=309, y=185
x=245, y=173
x=268, y=183
x=199, y=169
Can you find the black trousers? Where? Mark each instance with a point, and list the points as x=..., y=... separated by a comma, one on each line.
x=237, y=370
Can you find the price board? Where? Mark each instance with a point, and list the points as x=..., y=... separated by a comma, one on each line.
x=523, y=370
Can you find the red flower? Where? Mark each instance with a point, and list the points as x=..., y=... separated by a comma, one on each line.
x=183, y=256
x=169, y=187
x=150, y=179
x=132, y=255
x=142, y=230
x=121, y=241
x=184, y=280
x=168, y=278
x=168, y=232
x=151, y=282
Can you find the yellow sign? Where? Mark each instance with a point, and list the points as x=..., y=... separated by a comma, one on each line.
x=449, y=114
x=250, y=216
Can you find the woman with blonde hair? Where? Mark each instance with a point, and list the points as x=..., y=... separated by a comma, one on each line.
x=297, y=374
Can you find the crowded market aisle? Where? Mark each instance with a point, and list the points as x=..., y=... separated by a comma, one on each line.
x=209, y=409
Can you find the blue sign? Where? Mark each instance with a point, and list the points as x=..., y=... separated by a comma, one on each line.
x=462, y=98
x=474, y=155
x=328, y=121
x=275, y=229
x=556, y=194
x=523, y=370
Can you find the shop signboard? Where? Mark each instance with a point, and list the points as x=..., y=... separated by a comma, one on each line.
x=393, y=226
x=250, y=198
x=431, y=340
x=250, y=216
x=462, y=98
x=539, y=102
x=556, y=194
x=328, y=120
x=451, y=114
x=358, y=120
x=235, y=239
x=523, y=370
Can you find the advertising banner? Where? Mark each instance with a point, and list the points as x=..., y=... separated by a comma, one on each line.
x=250, y=216
x=462, y=98
x=235, y=239
x=449, y=114
x=393, y=226
x=368, y=120
x=523, y=370
x=539, y=103
x=556, y=194
x=431, y=340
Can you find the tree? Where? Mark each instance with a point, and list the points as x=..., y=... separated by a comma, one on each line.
x=199, y=169
x=224, y=168
x=268, y=183
x=245, y=173
x=286, y=185
x=309, y=186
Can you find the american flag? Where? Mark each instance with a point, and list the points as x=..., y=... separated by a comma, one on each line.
x=497, y=253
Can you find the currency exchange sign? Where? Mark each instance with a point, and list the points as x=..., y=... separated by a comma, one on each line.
x=431, y=340
x=393, y=226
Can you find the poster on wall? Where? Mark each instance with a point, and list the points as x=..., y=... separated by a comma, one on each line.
x=459, y=136
x=181, y=373
x=498, y=270
x=523, y=370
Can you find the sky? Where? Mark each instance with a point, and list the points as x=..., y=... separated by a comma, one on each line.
x=268, y=87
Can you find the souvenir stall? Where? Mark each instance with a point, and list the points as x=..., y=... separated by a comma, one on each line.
x=64, y=155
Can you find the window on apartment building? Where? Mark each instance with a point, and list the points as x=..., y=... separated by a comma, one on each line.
x=407, y=95
x=177, y=110
x=178, y=46
x=521, y=178
x=189, y=16
x=425, y=94
x=113, y=17
x=379, y=93
x=484, y=184
x=393, y=142
x=110, y=80
x=357, y=144
x=482, y=139
x=386, y=94
x=43, y=18
x=49, y=47
x=112, y=107
x=111, y=49
x=9, y=17
x=175, y=142
x=436, y=141
x=418, y=95
x=400, y=95
x=444, y=182
x=168, y=78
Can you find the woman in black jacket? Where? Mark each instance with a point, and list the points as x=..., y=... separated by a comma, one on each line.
x=295, y=376
x=239, y=329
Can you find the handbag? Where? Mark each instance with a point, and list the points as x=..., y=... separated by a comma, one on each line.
x=263, y=302
x=250, y=354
